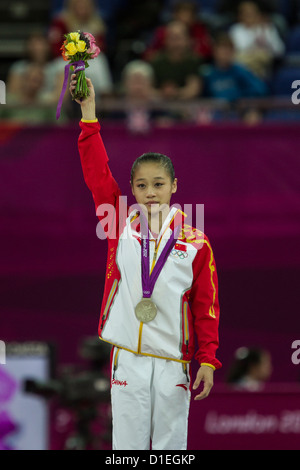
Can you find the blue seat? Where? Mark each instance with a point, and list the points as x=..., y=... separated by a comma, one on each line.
x=284, y=8
x=292, y=115
x=208, y=6
x=293, y=41
x=283, y=79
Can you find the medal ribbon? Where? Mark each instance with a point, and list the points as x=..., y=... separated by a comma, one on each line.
x=148, y=281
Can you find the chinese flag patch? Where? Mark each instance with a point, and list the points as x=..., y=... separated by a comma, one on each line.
x=180, y=247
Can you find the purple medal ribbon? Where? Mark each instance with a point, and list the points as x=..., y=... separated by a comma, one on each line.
x=79, y=65
x=148, y=281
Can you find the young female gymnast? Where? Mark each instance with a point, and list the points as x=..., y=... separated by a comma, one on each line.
x=161, y=289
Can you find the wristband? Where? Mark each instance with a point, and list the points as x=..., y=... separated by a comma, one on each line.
x=208, y=365
x=89, y=120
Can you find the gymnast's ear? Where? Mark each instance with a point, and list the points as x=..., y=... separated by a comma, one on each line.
x=174, y=186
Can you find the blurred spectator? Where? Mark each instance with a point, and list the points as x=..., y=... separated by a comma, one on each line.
x=78, y=15
x=252, y=116
x=187, y=13
x=28, y=104
x=142, y=105
x=251, y=369
x=32, y=81
x=225, y=79
x=231, y=6
x=138, y=81
x=176, y=67
x=37, y=51
x=256, y=39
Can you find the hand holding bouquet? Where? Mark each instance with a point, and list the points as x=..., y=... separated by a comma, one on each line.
x=77, y=48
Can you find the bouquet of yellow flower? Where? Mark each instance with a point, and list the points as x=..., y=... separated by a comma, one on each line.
x=77, y=48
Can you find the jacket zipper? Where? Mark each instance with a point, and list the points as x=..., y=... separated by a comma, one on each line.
x=116, y=362
x=140, y=338
x=108, y=303
x=186, y=326
x=186, y=372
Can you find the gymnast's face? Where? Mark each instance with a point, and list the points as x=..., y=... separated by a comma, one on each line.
x=152, y=186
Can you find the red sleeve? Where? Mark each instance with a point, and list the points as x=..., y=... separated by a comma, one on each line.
x=205, y=306
x=97, y=174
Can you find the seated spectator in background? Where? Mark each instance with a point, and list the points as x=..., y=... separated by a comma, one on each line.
x=138, y=90
x=250, y=370
x=28, y=104
x=138, y=82
x=256, y=39
x=187, y=13
x=31, y=89
x=143, y=106
x=78, y=15
x=37, y=51
x=176, y=67
x=231, y=6
x=225, y=79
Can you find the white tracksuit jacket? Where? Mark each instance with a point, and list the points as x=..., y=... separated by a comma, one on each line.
x=186, y=291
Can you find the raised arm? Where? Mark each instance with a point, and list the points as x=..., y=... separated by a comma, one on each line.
x=92, y=152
